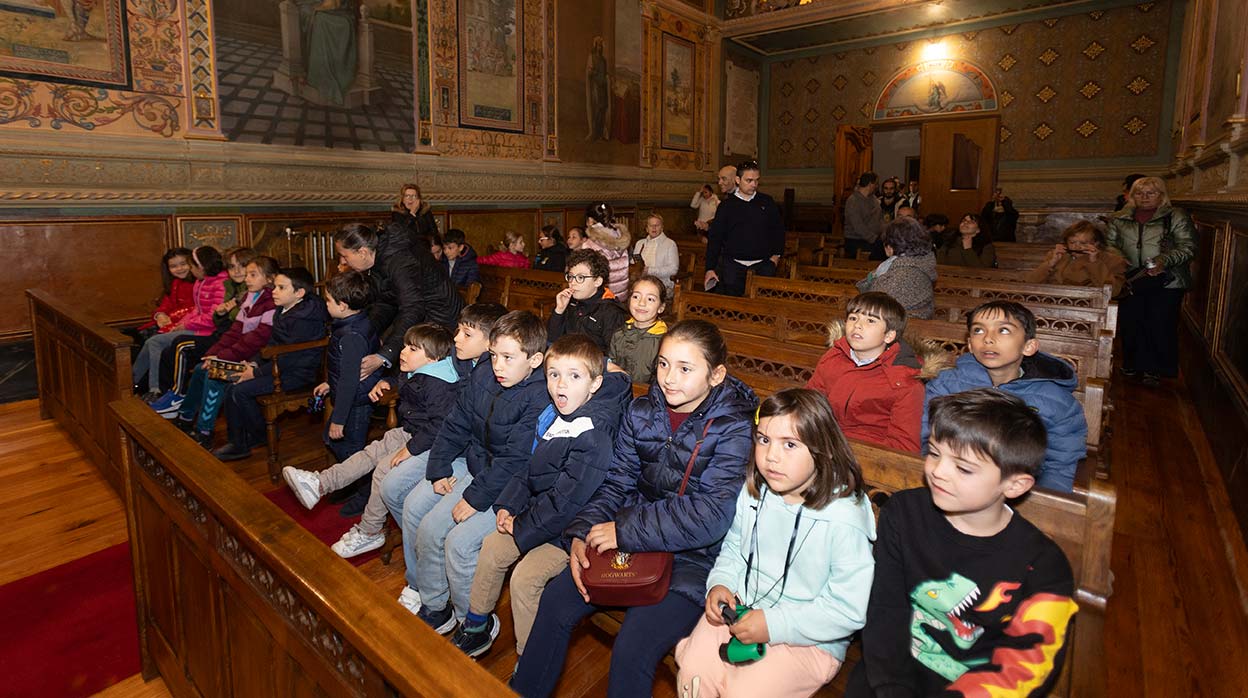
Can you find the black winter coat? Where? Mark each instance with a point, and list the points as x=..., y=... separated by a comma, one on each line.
x=305, y=322
x=639, y=494
x=596, y=317
x=552, y=259
x=466, y=268
x=409, y=288
x=351, y=339
x=422, y=408
x=421, y=228
x=569, y=462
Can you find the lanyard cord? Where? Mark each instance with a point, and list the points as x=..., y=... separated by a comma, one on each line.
x=788, y=555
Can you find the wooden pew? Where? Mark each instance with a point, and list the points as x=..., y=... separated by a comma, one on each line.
x=82, y=365
x=521, y=289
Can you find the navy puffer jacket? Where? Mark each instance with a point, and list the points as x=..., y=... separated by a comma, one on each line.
x=639, y=494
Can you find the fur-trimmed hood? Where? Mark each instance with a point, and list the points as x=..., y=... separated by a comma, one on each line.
x=913, y=351
x=612, y=238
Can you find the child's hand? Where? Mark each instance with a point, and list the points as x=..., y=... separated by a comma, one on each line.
x=578, y=560
x=602, y=537
x=462, y=511
x=378, y=390
x=751, y=628
x=162, y=319
x=321, y=390
x=443, y=486
x=207, y=359
x=719, y=594
x=400, y=456
x=247, y=374
x=562, y=299
x=336, y=432
x=503, y=522
x=219, y=308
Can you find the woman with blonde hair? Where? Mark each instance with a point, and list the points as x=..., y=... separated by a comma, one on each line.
x=414, y=213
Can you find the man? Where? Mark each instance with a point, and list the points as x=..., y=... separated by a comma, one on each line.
x=911, y=197
x=727, y=179
x=889, y=199
x=747, y=234
x=864, y=219
x=906, y=211
x=999, y=217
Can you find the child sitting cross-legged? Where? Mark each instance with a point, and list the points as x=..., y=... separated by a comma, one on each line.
x=1004, y=353
x=969, y=598
x=635, y=345
x=587, y=306
x=429, y=384
x=574, y=437
x=352, y=338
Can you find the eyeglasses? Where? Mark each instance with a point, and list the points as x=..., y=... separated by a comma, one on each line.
x=543, y=237
x=1147, y=193
x=578, y=278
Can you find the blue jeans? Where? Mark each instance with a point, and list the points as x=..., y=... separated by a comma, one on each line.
x=354, y=433
x=648, y=633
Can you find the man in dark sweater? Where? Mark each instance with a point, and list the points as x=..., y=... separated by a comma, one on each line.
x=746, y=234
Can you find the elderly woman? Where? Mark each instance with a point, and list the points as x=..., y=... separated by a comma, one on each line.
x=1081, y=259
x=909, y=272
x=1157, y=240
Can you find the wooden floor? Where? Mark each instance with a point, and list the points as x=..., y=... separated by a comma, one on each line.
x=1177, y=623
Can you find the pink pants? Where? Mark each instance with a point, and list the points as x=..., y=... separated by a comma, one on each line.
x=785, y=672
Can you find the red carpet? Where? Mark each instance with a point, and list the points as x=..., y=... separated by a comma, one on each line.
x=71, y=630
x=324, y=522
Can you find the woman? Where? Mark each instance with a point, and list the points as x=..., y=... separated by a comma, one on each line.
x=609, y=237
x=658, y=252
x=705, y=201
x=552, y=254
x=413, y=213
x=909, y=272
x=1081, y=259
x=1158, y=241
x=971, y=247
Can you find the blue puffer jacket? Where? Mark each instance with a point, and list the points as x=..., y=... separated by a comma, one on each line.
x=639, y=494
x=1046, y=385
x=492, y=428
x=570, y=460
x=351, y=339
x=304, y=322
x=423, y=398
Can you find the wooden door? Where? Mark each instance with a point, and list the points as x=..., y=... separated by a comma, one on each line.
x=853, y=157
x=959, y=165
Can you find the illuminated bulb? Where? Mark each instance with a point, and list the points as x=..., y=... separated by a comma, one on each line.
x=935, y=52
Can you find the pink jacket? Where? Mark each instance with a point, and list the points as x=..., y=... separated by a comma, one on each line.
x=504, y=258
x=209, y=293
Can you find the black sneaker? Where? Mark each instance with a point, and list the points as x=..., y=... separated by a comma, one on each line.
x=475, y=642
x=203, y=439
x=442, y=621
x=231, y=452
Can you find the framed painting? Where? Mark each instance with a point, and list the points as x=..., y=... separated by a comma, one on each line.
x=491, y=64
x=678, y=93
x=219, y=231
x=81, y=43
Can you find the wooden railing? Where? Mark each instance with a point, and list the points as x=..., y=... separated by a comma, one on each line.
x=236, y=599
x=82, y=365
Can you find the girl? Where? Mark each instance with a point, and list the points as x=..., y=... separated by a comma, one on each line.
x=576, y=238
x=634, y=346
x=798, y=555
x=970, y=248
x=512, y=256
x=609, y=237
x=207, y=292
x=176, y=299
x=1081, y=259
x=693, y=403
x=242, y=342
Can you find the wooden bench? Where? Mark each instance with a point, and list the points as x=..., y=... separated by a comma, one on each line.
x=521, y=289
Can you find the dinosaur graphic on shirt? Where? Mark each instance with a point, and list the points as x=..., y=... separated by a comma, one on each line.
x=939, y=604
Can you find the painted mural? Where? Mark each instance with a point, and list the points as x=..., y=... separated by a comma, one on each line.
x=936, y=87
x=490, y=69
x=600, y=69
x=79, y=41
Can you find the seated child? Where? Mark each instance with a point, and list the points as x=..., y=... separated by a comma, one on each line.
x=635, y=345
x=586, y=306
x=459, y=257
x=429, y=384
x=871, y=377
x=177, y=293
x=300, y=318
x=575, y=438
x=1004, y=353
x=484, y=441
x=249, y=333
x=512, y=254
x=806, y=598
x=969, y=597
x=352, y=337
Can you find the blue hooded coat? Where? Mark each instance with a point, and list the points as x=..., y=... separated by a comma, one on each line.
x=423, y=399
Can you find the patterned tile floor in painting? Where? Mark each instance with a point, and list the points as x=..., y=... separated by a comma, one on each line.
x=253, y=112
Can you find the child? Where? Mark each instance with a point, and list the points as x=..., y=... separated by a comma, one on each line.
x=692, y=404
x=870, y=378
x=208, y=291
x=300, y=318
x=634, y=346
x=512, y=255
x=807, y=598
x=969, y=597
x=608, y=237
x=585, y=306
x=574, y=438
x=1004, y=353
x=460, y=259
x=177, y=289
x=352, y=338
x=430, y=383
x=484, y=441
x=244, y=340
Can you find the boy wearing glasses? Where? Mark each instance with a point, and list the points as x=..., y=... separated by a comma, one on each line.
x=586, y=306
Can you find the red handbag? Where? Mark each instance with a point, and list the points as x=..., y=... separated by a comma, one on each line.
x=616, y=578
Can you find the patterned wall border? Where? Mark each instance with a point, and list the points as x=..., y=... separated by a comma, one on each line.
x=203, y=119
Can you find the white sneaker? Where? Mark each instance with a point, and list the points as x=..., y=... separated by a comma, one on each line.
x=410, y=599
x=305, y=484
x=357, y=542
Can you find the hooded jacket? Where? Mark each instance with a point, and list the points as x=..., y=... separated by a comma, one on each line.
x=303, y=322
x=640, y=492
x=423, y=398
x=466, y=269
x=504, y=258
x=571, y=456
x=209, y=293
x=611, y=243
x=823, y=599
x=634, y=349
x=1169, y=234
x=492, y=428
x=409, y=288
x=249, y=332
x=351, y=339
x=910, y=280
x=553, y=258
x=598, y=317
x=1046, y=386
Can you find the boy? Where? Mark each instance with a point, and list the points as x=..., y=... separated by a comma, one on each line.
x=484, y=441
x=301, y=317
x=969, y=598
x=1004, y=353
x=352, y=338
x=430, y=383
x=871, y=380
x=460, y=259
x=575, y=437
x=586, y=306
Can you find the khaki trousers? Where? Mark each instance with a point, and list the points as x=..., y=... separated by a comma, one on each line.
x=528, y=580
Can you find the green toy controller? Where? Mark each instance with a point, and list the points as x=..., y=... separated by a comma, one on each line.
x=734, y=651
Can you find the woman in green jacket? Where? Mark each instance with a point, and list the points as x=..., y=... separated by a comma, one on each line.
x=1158, y=241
